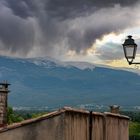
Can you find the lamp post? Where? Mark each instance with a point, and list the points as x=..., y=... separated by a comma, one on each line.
x=130, y=48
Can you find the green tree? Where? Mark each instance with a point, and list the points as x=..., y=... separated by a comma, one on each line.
x=13, y=117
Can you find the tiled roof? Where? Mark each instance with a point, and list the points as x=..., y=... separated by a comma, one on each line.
x=56, y=113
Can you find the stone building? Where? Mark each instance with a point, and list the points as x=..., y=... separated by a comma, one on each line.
x=64, y=124
x=69, y=124
x=3, y=103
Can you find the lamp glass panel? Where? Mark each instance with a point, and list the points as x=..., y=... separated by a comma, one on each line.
x=130, y=51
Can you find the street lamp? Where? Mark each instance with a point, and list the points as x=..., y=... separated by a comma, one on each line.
x=130, y=48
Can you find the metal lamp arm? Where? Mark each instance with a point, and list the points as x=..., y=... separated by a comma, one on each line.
x=137, y=63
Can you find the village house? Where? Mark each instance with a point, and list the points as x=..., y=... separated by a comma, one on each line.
x=64, y=124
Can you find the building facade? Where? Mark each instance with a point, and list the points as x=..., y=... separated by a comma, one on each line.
x=69, y=124
x=3, y=103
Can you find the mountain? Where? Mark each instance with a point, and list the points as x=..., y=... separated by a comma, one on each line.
x=37, y=82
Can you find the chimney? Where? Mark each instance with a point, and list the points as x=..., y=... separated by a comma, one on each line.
x=3, y=103
x=115, y=109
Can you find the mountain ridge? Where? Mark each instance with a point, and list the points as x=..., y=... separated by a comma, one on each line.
x=58, y=84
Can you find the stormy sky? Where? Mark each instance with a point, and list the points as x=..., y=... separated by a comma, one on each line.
x=66, y=29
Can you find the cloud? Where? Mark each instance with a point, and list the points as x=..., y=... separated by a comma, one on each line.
x=110, y=51
x=85, y=30
x=53, y=27
x=16, y=34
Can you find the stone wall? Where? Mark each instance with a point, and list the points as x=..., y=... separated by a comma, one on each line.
x=116, y=127
x=69, y=124
x=98, y=123
x=44, y=129
x=76, y=125
x=110, y=126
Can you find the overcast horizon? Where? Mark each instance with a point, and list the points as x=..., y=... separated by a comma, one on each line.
x=82, y=30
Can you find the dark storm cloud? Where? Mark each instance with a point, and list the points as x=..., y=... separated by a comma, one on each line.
x=42, y=27
x=16, y=34
x=85, y=30
x=72, y=8
x=19, y=8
